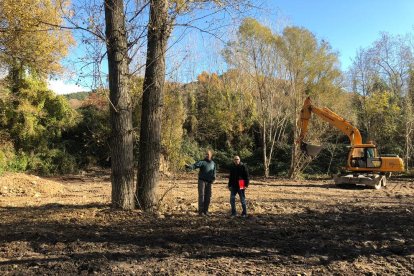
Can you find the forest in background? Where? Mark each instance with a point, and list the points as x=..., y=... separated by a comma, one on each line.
x=251, y=110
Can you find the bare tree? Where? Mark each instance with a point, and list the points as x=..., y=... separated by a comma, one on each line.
x=409, y=121
x=256, y=53
x=392, y=59
x=385, y=67
x=362, y=78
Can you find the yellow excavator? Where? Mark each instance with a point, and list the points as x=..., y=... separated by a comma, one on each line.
x=364, y=164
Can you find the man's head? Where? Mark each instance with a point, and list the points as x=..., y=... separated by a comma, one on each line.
x=236, y=160
x=209, y=154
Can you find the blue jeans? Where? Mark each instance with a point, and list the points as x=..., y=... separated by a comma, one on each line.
x=233, y=201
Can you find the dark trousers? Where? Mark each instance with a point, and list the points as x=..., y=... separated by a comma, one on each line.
x=242, y=196
x=204, y=195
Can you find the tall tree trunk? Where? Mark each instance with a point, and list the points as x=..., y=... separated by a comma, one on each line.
x=16, y=75
x=408, y=131
x=407, y=146
x=293, y=173
x=150, y=137
x=294, y=160
x=264, y=141
x=121, y=141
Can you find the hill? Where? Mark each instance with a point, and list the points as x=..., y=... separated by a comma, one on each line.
x=77, y=96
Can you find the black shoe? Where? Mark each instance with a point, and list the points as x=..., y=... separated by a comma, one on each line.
x=244, y=215
x=207, y=214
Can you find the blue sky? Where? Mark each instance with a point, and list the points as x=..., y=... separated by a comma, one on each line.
x=348, y=24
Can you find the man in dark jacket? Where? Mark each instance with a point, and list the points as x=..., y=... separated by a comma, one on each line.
x=206, y=176
x=238, y=182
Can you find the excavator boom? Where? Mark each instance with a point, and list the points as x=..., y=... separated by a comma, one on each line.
x=329, y=116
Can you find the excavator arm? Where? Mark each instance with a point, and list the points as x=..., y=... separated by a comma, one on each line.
x=329, y=116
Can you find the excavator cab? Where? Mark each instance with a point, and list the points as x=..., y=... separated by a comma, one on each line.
x=364, y=156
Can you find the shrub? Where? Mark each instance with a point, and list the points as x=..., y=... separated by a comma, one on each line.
x=6, y=155
x=52, y=162
x=88, y=140
x=19, y=163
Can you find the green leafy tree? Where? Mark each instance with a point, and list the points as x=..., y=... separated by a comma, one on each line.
x=173, y=119
x=88, y=139
x=38, y=116
x=384, y=115
x=30, y=40
x=312, y=70
x=35, y=118
x=284, y=68
x=224, y=110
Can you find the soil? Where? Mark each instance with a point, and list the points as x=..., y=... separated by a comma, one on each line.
x=64, y=225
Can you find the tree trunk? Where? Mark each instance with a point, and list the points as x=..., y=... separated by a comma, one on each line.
x=16, y=75
x=293, y=162
x=293, y=173
x=265, y=161
x=150, y=137
x=121, y=141
x=408, y=130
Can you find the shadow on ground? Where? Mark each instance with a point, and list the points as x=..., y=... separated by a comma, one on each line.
x=55, y=233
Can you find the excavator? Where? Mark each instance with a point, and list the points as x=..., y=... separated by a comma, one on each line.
x=364, y=165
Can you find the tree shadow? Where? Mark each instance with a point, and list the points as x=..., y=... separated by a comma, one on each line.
x=324, y=186
x=344, y=234
x=295, y=185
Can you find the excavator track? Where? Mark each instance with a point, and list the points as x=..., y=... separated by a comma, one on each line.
x=375, y=181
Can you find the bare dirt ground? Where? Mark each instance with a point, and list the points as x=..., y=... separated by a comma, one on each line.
x=64, y=226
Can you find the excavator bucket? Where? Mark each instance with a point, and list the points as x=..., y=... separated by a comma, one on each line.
x=311, y=150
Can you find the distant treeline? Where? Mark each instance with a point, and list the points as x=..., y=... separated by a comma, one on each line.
x=251, y=110
x=77, y=95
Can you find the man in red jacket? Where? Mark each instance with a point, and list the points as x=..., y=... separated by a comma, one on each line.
x=238, y=182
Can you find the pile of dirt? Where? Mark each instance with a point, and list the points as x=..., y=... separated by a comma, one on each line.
x=19, y=184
